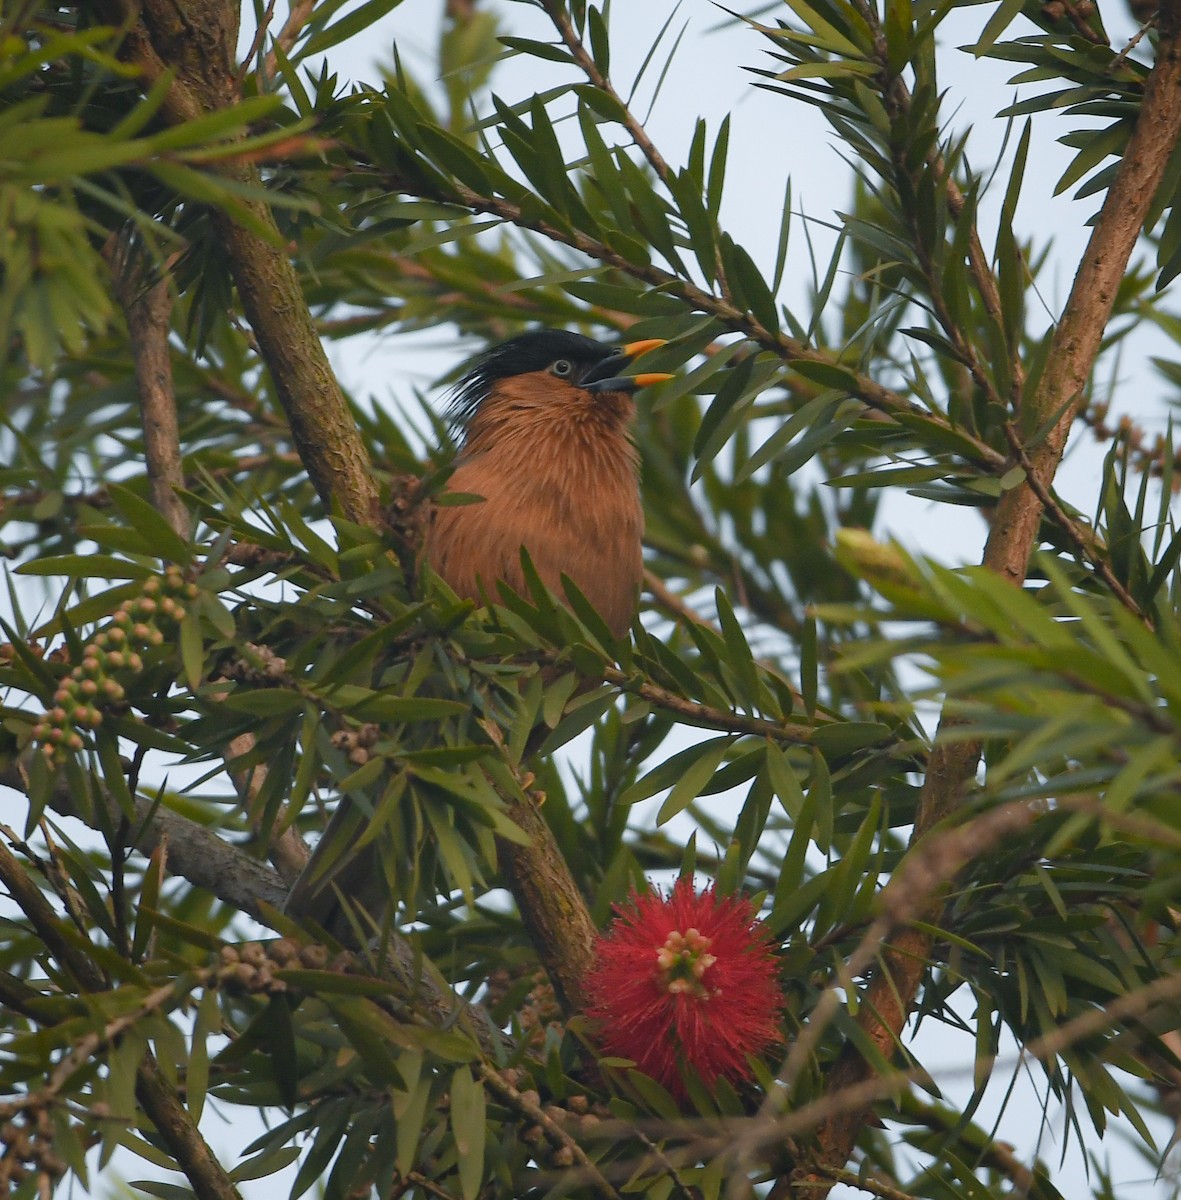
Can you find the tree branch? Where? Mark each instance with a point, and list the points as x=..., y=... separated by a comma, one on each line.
x=180, y=1134
x=288, y=853
x=192, y=851
x=298, y=15
x=558, y=15
x=206, y=860
x=875, y=1187
x=159, y=1099
x=1074, y=348
x=147, y=307
x=194, y=44
x=1085, y=546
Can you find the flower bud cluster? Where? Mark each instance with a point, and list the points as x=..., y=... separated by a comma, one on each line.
x=26, y=1148
x=93, y=686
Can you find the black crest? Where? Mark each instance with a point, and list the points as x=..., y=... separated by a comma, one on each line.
x=533, y=351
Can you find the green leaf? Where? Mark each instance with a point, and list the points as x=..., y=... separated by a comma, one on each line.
x=701, y=763
x=352, y=23
x=1003, y=16
x=469, y=1126
x=889, y=477
x=600, y=42
x=165, y=1191
x=809, y=681
x=553, y=52
x=264, y=1165
x=192, y=650
x=206, y=1025
x=265, y=702
x=899, y=30
x=151, y=526
x=847, y=736
x=410, y=1113
x=86, y=566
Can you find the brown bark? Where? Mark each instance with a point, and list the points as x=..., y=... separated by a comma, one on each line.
x=147, y=307
x=175, y=1125
x=196, y=41
x=552, y=908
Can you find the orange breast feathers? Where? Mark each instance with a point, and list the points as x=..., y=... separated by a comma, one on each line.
x=558, y=474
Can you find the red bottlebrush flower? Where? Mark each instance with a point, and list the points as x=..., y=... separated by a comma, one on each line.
x=685, y=980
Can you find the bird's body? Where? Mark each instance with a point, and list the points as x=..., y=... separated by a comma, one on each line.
x=547, y=446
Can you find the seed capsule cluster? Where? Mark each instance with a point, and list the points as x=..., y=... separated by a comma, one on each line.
x=26, y=1148
x=93, y=684
x=575, y=1115
x=356, y=743
x=251, y=966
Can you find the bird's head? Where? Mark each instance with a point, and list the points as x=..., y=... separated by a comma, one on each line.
x=550, y=373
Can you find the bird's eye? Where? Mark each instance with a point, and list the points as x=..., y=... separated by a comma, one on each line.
x=563, y=368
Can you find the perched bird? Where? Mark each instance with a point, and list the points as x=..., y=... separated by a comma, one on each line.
x=546, y=420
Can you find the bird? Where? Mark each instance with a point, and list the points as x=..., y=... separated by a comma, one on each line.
x=546, y=425
x=546, y=456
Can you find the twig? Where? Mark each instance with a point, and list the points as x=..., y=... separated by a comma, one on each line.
x=674, y=605
x=288, y=853
x=158, y=1098
x=680, y=1186
x=29, y=899
x=897, y=94
x=1156, y=833
x=256, y=44
x=197, y=854
x=998, y=1156
x=1140, y=450
x=677, y=608
x=558, y=14
x=560, y=927
x=317, y=412
x=298, y=16
x=707, y=716
x=161, y=1102
x=1082, y=543
x=1133, y=42
x=194, y=852
x=147, y=307
x=86, y=1048
x=865, y=1184
x=1085, y=1025
x=428, y=1185
x=1076, y=13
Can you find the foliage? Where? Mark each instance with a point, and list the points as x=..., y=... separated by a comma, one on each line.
x=769, y=724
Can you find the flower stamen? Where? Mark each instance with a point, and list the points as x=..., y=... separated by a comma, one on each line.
x=682, y=963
